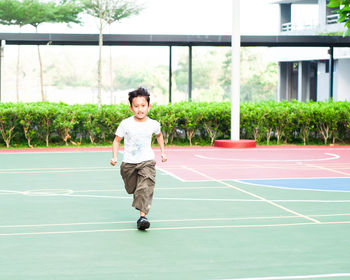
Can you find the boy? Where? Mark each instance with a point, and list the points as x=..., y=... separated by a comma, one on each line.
x=138, y=166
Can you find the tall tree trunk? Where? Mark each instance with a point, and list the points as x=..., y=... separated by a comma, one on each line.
x=17, y=74
x=99, y=66
x=110, y=70
x=110, y=74
x=41, y=72
x=17, y=67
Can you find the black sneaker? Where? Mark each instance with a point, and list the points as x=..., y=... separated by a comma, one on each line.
x=143, y=223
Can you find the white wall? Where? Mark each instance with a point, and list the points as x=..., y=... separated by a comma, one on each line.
x=322, y=82
x=341, y=80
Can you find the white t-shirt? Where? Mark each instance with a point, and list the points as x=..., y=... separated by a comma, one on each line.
x=137, y=139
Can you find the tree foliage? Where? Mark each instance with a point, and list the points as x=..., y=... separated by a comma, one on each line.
x=11, y=13
x=343, y=11
x=107, y=12
x=36, y=12
x=258, y=78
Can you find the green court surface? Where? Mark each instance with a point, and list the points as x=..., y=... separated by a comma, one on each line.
x=67, y=216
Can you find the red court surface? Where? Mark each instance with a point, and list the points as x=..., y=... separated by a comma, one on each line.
x=263, y=162
x=259, y=163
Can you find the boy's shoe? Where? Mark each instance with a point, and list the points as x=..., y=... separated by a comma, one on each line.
x=143, y=223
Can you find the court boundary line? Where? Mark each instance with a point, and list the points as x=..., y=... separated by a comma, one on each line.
x=328, y=169
x=172, y=228
x=75, y=193
x=53, y=171
x=254, y=195
x=155, y=221
x=242, y=181
x=330, y=275
x=170, y=174
x=335, y=156
x=108, y=149
x=72, y=194
x=173, y=220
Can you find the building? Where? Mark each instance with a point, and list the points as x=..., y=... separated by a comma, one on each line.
x=312, y=73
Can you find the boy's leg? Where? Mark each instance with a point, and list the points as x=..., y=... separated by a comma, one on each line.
x=143, y=194
x=128, y=172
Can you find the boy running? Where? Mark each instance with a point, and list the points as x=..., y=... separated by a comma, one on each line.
x=138, y=166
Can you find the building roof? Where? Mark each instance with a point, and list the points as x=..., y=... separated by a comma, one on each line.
x=295, y=2
x=172, y=40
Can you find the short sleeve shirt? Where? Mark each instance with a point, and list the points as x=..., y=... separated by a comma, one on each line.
x=138, y=139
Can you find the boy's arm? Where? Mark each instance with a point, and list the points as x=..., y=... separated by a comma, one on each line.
x=160, y=141
x=115, y=149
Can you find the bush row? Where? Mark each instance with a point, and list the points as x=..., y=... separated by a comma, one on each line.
x=296, y=122
x=287, y=122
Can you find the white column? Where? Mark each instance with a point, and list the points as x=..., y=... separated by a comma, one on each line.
x=235, y=74
x=322, y=15
x=2, y=49
x=300, y=81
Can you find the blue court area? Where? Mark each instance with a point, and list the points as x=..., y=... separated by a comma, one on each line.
x=317, y=184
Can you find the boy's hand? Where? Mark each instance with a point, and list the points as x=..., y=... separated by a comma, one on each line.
x=113, y=161
x=164, y=158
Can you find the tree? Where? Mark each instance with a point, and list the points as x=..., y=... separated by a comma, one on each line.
x=258, y=78
x=34, y=12
x=343, y=11
x=107, y=11
x=10, y=14
x=66, y=11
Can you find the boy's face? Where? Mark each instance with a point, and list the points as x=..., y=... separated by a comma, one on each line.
x=140, y=107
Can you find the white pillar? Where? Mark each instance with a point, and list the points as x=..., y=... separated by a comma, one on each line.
x=2, y=49
x=322, y=14
x=235, y=74
x=300, y=81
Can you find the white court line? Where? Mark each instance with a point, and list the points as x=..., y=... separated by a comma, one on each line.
x=210, y=149
x=244, y=181
x=158, y=189
x=55, y=168
x=48, y=192
x=98, y=196
x=332, y=157
x=329, y=169
x=72, y=193
x=175, y=221
x=171, y=228
x=332, y=275
x=296, y=178
x=255, y=195
x=331, y=215
x=170, y=174
x=54, y=171
x=164, y=198
x=153, y=221
x=260, y=149
x=167, y=198
x=10, y=192
x=211, y=199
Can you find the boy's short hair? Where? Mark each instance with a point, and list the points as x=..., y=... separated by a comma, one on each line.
x=139, y=92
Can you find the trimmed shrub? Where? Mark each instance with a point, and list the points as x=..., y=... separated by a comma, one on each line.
x=287, y=122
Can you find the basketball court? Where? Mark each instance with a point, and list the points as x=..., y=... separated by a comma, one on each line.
x=264, y=213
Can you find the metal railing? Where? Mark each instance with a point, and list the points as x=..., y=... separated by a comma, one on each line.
x=288, y=26
x=332, y=19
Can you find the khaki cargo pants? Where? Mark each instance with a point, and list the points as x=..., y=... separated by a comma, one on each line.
x=139, y=180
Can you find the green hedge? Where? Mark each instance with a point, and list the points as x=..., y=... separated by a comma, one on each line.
x=278, y=122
